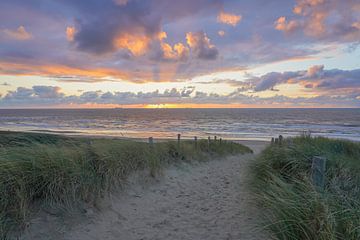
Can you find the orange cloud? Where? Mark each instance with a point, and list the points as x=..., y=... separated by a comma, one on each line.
x=177, y=52
x=194, y=39
x=19, y=34
x=9, y=68
x=282, y=25
x=228, y=18
x=70, y=33
x=303, y=6
x=136, y=44
x=166, y=73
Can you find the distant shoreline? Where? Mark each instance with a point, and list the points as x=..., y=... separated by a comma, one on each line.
x=231, y=124
x=139, y=139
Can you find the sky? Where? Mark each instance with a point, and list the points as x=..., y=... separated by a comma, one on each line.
x=188, y=53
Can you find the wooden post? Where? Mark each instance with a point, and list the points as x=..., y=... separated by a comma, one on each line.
x=209, y=139
x=220, y=140
x=280, y=139
x=151, y=141
x=195, y=141
x=215, y=138
x=272, y=140
x=178, y=139
x=318, y=168
x=276, y=140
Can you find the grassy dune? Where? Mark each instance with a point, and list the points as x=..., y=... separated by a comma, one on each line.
x=51, y=169
x=293, y=207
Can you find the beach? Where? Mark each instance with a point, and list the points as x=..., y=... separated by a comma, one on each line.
x=77, y=188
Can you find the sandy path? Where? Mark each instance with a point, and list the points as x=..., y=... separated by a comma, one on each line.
x=202, y=201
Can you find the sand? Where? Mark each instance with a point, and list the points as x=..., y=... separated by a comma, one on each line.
x=208, y=201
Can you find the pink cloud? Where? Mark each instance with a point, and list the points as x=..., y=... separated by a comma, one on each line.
x=228, y=18
x=18, y=34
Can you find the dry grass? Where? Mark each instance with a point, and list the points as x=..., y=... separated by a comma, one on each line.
x=293, y=207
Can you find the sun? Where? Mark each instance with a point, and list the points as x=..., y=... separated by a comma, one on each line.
x=162, y=105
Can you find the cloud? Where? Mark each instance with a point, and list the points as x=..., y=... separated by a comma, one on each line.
x=140, y=41
x=334, y=81
x=329, y=20
x=116, y=40
x=121, y=2
x=315, y=71
x=52, y=96
x=60, y=71
x=270, y=80
x=303, y=6
x=19, y=34
x=282, y=25
x=22, y=94
x=201, y=46
x=70, y=33
x=137, y=44
x=178, y=52
x=137, y=25
x=47, y=92
x=228, y=18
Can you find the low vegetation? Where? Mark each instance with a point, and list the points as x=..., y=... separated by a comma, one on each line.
x=293, y=208
x=50, y=169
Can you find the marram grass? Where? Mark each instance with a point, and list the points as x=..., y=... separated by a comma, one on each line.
x=293, y=208
x=51, y=169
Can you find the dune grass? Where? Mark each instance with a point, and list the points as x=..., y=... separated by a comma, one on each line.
x=42, y=168
x=292, y=207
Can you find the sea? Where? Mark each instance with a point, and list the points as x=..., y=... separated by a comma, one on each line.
x=231, y=124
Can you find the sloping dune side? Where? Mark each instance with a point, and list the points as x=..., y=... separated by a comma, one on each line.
x=198, y=201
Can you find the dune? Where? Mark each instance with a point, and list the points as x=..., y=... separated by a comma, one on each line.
x=207, y=200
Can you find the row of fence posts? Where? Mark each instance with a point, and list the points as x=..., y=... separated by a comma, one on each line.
x=151, y=140
x=318, y=164
x=278, y=140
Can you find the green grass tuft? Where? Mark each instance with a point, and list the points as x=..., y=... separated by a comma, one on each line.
x=51, y=169
x=293, y=207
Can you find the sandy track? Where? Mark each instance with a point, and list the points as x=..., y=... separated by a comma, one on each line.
x=202, y=201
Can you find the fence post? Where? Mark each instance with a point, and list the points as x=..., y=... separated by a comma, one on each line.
x=215, y=138
x=178, y=139
x=280, y=139
x=209, y=139
x=195, y=141
x=151, y=141
x=276, y=140
x=220, y=140
x=272, y=140
x=318, y=168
